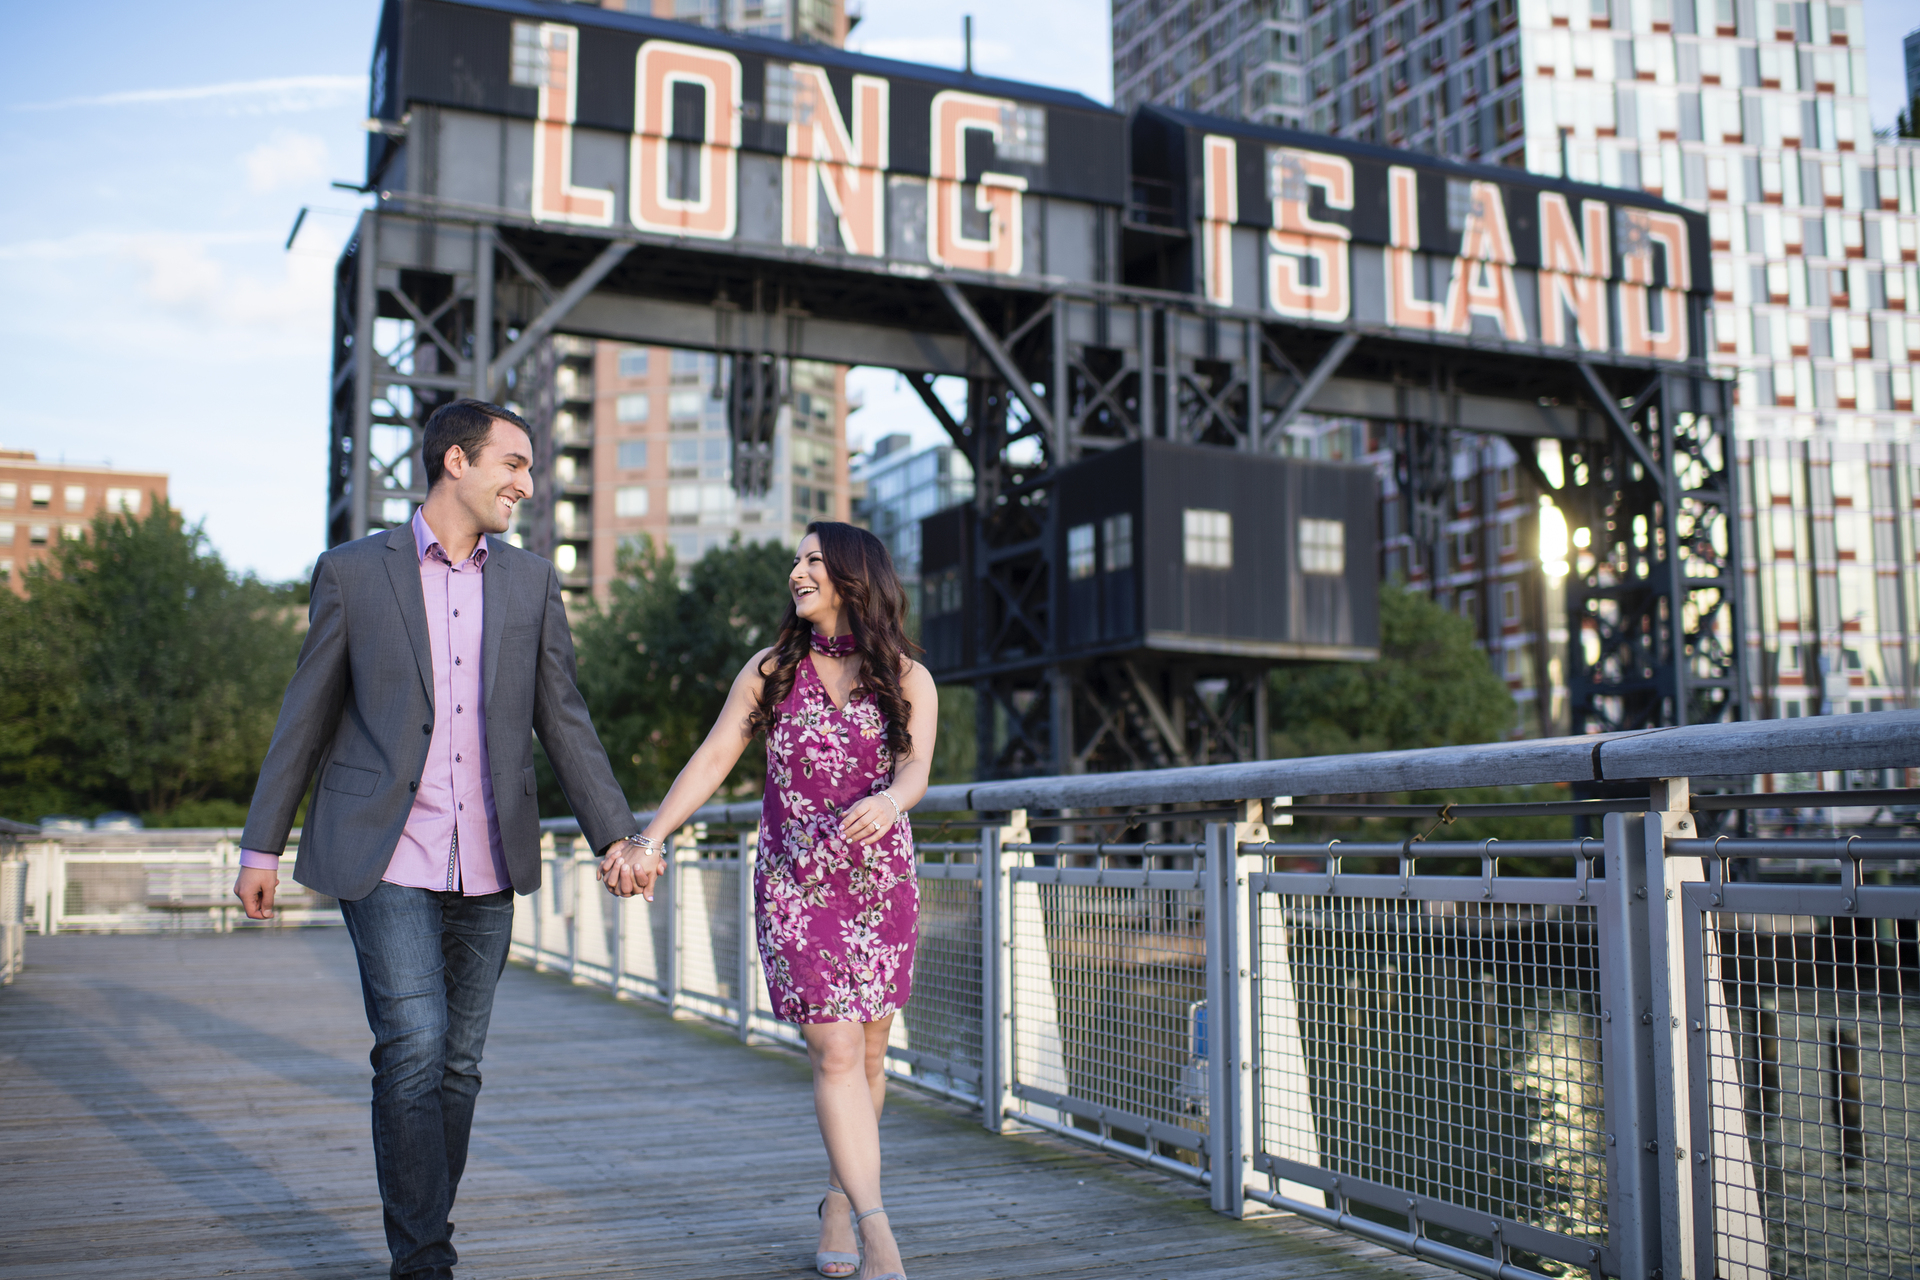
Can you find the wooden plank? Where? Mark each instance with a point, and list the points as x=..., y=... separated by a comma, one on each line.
x=196, y=1106
x=1812, y=744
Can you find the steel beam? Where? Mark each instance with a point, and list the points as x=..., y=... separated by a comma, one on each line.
x=543, y=325
x=996, y=354
x=1310, y=388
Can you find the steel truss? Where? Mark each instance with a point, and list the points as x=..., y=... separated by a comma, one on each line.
x=1054, y=377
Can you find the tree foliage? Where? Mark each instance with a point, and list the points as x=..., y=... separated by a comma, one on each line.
x=139, y=673
x=1430, y=688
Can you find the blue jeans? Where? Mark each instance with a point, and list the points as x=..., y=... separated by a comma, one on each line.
x=429, y=962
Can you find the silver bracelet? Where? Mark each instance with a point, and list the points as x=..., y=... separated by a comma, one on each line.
x=895, y=803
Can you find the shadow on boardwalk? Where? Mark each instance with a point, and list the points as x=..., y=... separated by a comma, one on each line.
x=194, y=1106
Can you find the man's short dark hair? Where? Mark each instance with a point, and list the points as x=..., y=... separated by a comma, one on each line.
x=465, y=422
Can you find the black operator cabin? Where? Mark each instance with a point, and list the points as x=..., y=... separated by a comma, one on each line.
x=1178, y=548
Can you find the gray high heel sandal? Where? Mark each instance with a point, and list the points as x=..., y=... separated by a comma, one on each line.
x=858, y=1218
x=824, y=1258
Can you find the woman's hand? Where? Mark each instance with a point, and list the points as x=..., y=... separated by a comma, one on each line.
x=627, y=869
x=869, y=819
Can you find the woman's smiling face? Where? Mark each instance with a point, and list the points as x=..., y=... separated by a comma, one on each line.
x=814, y=596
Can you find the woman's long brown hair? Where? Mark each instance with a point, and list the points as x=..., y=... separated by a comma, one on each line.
x=876, y=611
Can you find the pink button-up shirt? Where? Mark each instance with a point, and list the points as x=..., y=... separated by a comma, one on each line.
x=452, y=838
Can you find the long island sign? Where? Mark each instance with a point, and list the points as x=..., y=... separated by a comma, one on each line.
x=599, y=121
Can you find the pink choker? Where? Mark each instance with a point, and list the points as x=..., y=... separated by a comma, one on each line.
x=834, y=646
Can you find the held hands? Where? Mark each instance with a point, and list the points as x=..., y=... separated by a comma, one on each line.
x=628, y=869
x=869, y=819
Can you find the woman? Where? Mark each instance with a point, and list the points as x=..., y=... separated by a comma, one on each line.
x=849, y=719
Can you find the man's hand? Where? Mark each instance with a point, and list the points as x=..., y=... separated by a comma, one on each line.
x=255, y=889
x=627, y=869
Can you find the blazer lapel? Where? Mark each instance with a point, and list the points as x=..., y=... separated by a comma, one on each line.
x=403, y=570
x=495, y=591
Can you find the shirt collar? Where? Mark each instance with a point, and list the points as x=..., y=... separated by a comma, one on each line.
x=426, y=543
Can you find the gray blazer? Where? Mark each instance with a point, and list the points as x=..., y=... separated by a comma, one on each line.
x=362, y=696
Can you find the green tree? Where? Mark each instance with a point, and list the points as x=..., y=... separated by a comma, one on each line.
x=656, y=663
x=1429, y=688
x=159, y=672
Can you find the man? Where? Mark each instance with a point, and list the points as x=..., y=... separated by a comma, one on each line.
x=436, y=652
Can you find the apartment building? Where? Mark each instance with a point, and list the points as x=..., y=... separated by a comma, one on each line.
x=1751, y=111
x=901, y=486
x=43, y=502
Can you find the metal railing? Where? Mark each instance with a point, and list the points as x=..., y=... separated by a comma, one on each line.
x=1668, y=1055
x=142, y=882
x=1646, y=1053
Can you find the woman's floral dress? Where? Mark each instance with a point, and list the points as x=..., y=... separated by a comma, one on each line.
x=837, y=920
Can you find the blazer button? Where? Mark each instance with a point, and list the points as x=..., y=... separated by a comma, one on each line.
x=426, y=729
x=413, y=786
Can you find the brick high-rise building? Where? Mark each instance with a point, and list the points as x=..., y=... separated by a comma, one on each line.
x=1751, y=111
x=43, y=502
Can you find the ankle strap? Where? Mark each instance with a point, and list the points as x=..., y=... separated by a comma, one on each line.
x=837, y=1191
x=858, y=1218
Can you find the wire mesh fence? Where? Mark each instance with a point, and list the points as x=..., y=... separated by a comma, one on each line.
x=1107, y=992
x=937, y=1039
x=1444, y=1050
x=1817, y=1053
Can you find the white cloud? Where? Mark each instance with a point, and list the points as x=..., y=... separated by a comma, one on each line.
x=287, y=159
x=278, y=95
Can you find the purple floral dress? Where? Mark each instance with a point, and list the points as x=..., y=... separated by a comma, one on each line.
x=837, y=920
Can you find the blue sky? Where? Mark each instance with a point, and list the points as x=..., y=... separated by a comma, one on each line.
x=154, y=320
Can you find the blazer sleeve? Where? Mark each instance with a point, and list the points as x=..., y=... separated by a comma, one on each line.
x=309, y=716
x=566, y=731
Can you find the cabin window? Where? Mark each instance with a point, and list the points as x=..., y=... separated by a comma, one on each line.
x=1323, y=547
x=1209, y=539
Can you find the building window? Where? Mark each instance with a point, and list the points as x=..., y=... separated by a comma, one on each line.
x=687, y=365
x=634, y=407
x=1510, y=605
x=566, y=557
x=1117, y=533
x=6, y=570
x=633, y=362
x=1023, y=135
x=633, y=455
x=1209, y=538
x=685, y=404
x=529, y=65
x=9, y=494
x=630, y=500
x=1323, y=547
x=683, y=459
x=76, y=496
x=1080, y=559
x=6, y=535
x=73, y=532
x=1509, y=537
x=127, y=500
x=42, y=495
x=37, y=535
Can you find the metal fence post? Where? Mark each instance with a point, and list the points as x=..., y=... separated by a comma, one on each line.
x=744, y=985
x=1229, y=1020
x=996, y=978
x=1627, y=1062
x=670, y=980
x=1669, y=818
x=573, y=909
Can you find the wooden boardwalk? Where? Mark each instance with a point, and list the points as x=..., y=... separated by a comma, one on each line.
x=194, y=1106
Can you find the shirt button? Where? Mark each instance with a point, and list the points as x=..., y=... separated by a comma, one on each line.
x=463, y=808
x=456, y=662
x=456, y=613
x=456, y=757
x=458, y=710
